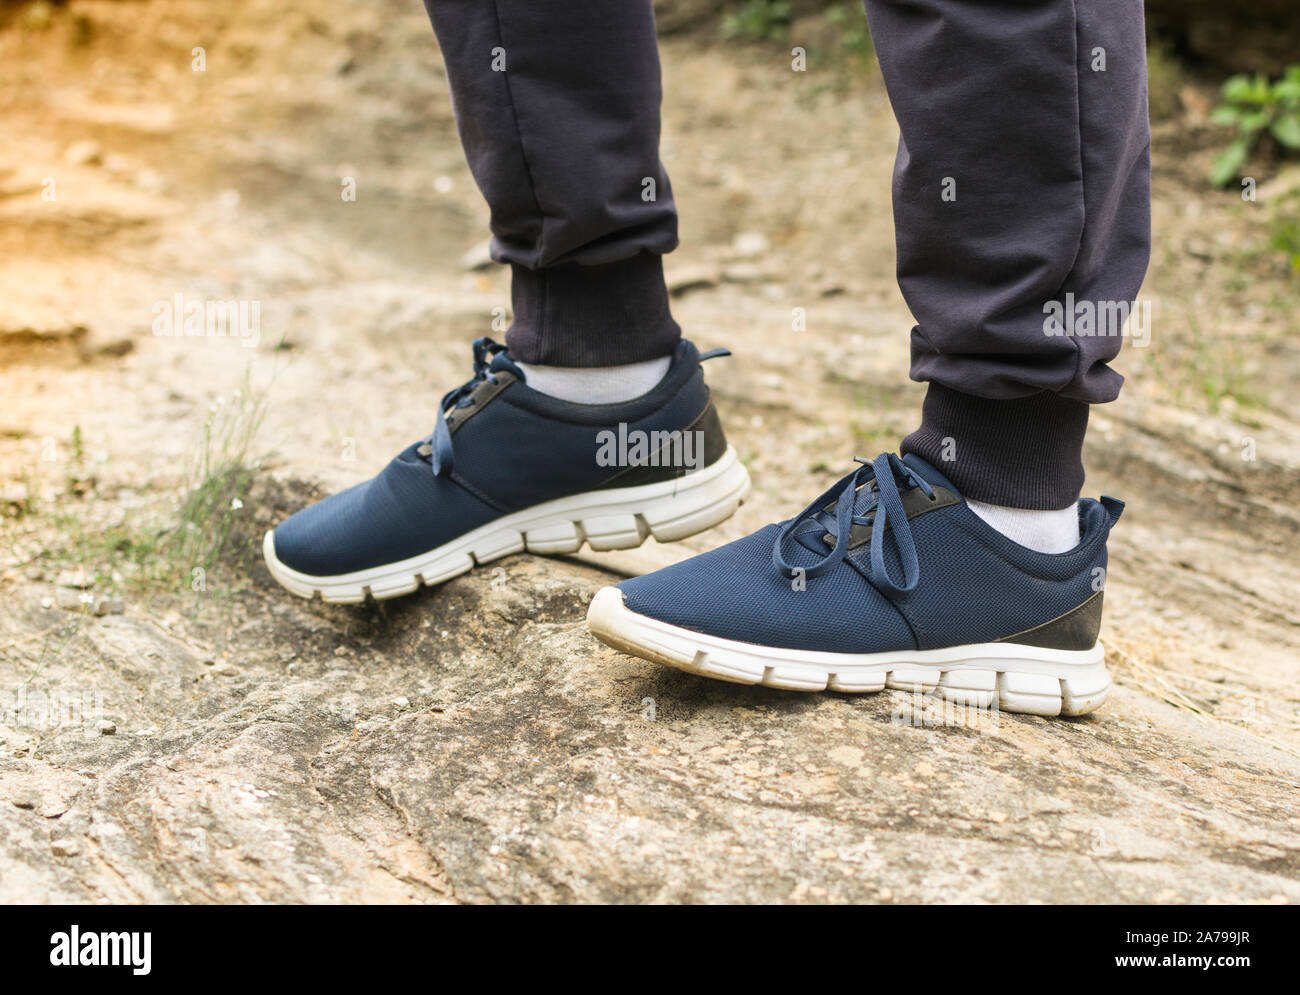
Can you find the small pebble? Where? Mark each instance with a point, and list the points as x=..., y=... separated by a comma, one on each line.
x=749, y=244
x=478, y=258
x=83, y=153
x=74, y=578
x=72, y=600
x=743, y=273
x=64, y=848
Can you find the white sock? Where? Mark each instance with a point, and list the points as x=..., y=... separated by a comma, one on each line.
x=1045, y=531
x=596, y=384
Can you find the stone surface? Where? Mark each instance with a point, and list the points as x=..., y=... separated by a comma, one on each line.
x=473, y=743
x=514, y=759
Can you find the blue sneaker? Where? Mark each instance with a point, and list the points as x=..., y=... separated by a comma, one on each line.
x=507, y=469
x=886, y=580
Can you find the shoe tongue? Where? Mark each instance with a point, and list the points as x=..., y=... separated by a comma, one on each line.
x=928, y=473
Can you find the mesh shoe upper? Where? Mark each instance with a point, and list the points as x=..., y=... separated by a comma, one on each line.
x=400, y=513
x=500, y=447
x=972, y=583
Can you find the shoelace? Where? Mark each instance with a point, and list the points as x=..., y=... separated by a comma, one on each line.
x=886, y=514
x=490, y=358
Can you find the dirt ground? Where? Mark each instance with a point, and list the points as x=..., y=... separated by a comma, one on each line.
x=218, y=740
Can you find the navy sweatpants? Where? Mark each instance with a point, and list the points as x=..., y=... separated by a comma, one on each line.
x=1022, y=180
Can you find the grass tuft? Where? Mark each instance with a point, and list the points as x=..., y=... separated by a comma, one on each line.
x=218, y=480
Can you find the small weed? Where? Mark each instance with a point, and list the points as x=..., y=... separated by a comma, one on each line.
x=1284, y=236
x=166, y=545
x=1217, y=372
x=1164, y=81
x=843, y=41
x=758, y=21
x=854, y=34
x=218, y=479
x=1254, y=108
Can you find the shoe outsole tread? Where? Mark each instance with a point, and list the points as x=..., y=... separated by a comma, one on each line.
x=601, y=520
x=1017, y=678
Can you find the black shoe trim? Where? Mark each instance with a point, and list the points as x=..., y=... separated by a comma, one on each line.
x=715, y=444
x=915, y=503
x=1077, y=629
x=479, y=397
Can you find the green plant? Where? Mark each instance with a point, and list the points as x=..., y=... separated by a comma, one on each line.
x=130, y=546
x=854, y=34
x=219, y=478
x=76, y=478
x=166, y=538
x=1218, y=369
x=1254, y=107
x=1164, y=81
x=1285, y=231
x=759, y=20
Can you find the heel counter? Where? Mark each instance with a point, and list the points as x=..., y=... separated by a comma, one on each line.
x=714, y=439
x=707, y=446
x=1077, y=629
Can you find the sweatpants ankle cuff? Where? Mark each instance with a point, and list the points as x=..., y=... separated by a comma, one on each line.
x=1022, y=453
x=607, y=315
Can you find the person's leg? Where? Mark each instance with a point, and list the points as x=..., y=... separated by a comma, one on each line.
x=1022, y=176
x=557, y=105
x=1021, y=179
x=593, y=426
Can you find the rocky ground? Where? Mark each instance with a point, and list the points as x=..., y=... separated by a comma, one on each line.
x=167, y=735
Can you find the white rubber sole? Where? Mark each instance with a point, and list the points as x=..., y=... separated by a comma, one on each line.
x=619, y=518
x=1026, y=679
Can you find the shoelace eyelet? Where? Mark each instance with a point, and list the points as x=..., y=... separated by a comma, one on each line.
x=440, y=448
x=889, y=516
